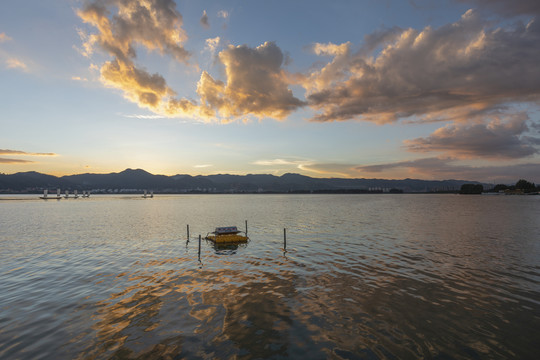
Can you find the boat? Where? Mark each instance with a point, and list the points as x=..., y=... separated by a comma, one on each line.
x=46, y=197
x=227, y=235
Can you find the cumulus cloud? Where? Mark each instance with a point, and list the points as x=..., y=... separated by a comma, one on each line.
x=154, y=24
x=255, y=84
x=212, y=44
x=496, y=139
x=436, y=73
x=204, y=20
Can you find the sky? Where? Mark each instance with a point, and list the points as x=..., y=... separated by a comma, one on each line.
x=349, y=88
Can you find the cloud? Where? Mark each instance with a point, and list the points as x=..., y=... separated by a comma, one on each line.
x=437, y=73
x=508, y=8
x=136, y=116
x=202, y=166
x=223, y=14
x=274, y=162
x=330, y=169
x=4, y=38
x=212, y=44
x=256, y=84
x=14, y=63
x=14, y=161
x=155, y=25
x=494, y=140
x=449, y=168
x=19, y=152
x=204, y=20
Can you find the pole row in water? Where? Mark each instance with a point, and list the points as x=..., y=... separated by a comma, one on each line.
x=284, y=237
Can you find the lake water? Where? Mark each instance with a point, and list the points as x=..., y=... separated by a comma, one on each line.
x=362, y=277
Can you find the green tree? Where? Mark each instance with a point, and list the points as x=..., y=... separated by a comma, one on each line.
x=471, y=189
x=525, y=186
x=500, y=187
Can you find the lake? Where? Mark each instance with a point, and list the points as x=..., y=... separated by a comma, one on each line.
x=402, y=276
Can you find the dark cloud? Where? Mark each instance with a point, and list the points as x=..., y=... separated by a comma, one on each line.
x=495, y=140
x=447, y=72
x=449, y=168
x=204, y=20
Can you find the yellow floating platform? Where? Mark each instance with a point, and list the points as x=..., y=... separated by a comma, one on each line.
x=227, y=238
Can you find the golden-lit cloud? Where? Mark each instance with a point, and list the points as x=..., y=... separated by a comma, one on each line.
x=20, y=153
x=461, y=68
x=155, y=25
x=14, y=161
x=212, y=44
x=256, y=85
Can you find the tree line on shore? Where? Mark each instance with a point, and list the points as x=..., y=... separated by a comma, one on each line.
x=521, y=187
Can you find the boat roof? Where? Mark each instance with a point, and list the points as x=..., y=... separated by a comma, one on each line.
x=226, y=230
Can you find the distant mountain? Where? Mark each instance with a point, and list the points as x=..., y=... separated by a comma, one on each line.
x=136, y=180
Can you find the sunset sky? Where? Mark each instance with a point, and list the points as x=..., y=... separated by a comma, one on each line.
x=348, y=88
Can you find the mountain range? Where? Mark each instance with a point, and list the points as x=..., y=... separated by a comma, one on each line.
x=138, y=180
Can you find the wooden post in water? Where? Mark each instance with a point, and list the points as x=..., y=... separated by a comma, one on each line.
x=246, y=227
x=284, y=239
x=199, y=246
x=188, y=232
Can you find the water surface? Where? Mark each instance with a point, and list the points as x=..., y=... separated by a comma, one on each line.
x=363, y=276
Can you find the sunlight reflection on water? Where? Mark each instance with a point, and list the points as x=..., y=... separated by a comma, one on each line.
x=384, y=276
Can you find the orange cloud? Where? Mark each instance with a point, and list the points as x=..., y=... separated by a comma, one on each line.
x=19, y=153
x=256, y=84
x=14, y=161
x=156, y=25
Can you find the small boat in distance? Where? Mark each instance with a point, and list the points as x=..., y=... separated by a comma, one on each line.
x=227, y=235
x=46, y=197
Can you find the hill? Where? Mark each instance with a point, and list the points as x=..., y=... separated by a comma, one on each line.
x=131, y=180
